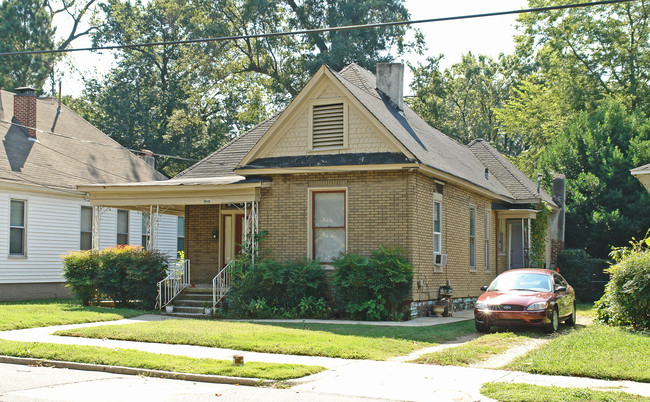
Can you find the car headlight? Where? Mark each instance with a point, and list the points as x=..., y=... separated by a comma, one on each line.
x=537, y=306
x=481, y=306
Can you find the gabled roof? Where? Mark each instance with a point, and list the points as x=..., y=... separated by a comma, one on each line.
x=429, y=146
x=69, y=151
x=521, y=186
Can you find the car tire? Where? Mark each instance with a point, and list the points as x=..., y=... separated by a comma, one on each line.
x=572, y=318
x=481, y=327
x=555, y=322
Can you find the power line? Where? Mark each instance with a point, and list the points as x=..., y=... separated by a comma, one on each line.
x=322, y=30
x=95, y=142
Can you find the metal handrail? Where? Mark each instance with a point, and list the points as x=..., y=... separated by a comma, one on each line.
x=221, y=284
x=174, y=283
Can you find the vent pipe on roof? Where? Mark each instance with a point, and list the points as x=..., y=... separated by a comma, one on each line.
x=25, y=109
x=148, y=158
x=390, y=82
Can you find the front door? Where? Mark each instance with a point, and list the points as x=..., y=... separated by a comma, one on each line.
x=232, y=226
x=515, y=244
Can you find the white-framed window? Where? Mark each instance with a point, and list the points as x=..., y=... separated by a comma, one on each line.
x=472, y=238
x=145, y=235
x=486, y=238
x=17, y=228
x=180, y=234
x=122, y=227
x=502, y=236
x=328, y=125
x=328, y=222
x=86, y=228
x=437, y=233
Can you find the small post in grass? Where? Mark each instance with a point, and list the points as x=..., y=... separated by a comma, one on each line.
x=238, y=360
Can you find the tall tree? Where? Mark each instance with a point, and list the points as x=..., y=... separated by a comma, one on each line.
x=605, y=205
x=25, y=25
x=461, y=100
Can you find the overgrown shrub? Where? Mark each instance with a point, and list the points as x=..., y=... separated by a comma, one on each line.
x=580, y=269
x=80, y=269
x=272, y=288
x=626, y=301
x=371, y=288
x=125, y=275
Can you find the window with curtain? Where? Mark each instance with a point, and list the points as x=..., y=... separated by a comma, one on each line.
x=17, y=228
x=122, y=227
x=328, y=224
x=86, y=225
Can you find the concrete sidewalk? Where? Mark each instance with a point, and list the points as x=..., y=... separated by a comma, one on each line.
x=374, y=379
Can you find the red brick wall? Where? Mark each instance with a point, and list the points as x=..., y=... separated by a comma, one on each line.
x=200, y=248
x=25, y=112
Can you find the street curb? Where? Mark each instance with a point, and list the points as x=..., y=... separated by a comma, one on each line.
x=217, y=379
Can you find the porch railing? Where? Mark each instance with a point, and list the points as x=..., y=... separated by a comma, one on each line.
x=174, y=283
x=221, y=284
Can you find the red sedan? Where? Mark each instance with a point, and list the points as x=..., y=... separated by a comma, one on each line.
x=535, y=297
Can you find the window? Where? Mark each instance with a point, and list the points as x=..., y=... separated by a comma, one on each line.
x=502, y=236
x=180, y=234
x=328, y=126
x=328, y=224
x=486, y=237
x=17, y=228
x=86, y=227
x=437, y=233
x=472, y=238
x=145, y=235
x=122, y=227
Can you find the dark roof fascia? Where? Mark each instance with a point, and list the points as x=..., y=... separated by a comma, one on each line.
x=324, y=160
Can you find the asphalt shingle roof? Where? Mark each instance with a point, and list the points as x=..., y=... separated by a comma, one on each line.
x=69, y=152
x=429, y=146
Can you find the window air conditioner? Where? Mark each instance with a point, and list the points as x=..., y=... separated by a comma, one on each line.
x=440, y=259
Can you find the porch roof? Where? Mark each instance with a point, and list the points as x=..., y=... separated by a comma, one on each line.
x=175, y=194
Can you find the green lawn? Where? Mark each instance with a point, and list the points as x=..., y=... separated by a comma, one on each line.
x=154, y=361
x=43, y=313
x=507, y=392
x=596, y=351
x=477, y=350
x=344, y=341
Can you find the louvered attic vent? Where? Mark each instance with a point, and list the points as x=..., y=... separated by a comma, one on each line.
x=327, y=126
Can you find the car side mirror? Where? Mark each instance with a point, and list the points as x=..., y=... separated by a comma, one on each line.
x=484, y=288
x=560, y=289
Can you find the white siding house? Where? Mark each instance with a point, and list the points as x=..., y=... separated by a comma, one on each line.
x=46, y=151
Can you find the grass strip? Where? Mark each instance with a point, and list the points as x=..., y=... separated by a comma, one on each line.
x=507, y=392
x=44, y=313
x=368, y=342
x=475, y=351
x=596, y=351
x=153, y=361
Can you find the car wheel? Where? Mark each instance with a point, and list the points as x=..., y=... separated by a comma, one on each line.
x=572, y=318
x=482, y=328
x=555, y=322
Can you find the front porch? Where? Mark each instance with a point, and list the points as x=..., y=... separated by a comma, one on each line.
x=221, y=217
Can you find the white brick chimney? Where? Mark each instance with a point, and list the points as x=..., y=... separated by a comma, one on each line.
x=25, y=109
x=390, y=82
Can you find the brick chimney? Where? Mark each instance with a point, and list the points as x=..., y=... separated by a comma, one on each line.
x=25, y=109
x=390, y=81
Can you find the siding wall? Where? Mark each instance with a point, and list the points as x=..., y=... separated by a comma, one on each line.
x=53, y=229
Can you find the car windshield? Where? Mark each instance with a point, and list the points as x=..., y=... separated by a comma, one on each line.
x=521, y=281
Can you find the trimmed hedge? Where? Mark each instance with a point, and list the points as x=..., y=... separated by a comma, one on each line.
x=372, y=288
x=273, y=289
x=127, y=275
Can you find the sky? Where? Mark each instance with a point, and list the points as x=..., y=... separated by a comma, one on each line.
x=489, y=35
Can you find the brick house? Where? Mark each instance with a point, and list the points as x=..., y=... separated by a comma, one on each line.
x=347, y=166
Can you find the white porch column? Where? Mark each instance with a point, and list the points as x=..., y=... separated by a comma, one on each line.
x=152, y=223
x=97, y=217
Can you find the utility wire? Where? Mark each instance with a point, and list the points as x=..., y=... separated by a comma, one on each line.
x=323, y=30
x=95, y=142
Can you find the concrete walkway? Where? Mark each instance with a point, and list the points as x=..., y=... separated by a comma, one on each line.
x=374, y=379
